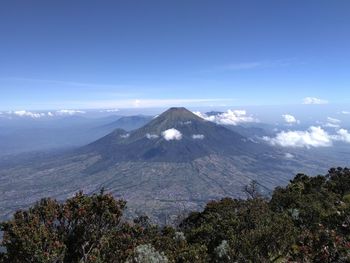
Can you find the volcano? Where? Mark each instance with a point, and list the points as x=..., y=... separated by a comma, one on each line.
x=176, y=162
x=177, y=136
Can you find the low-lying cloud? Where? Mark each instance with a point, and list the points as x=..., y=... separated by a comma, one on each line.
x=230, y=117
x=172, y=134
x=288, y=156
x=151, y=136
x=315, y=136
x=343, y=135
x=198, y=136
x=333, y=120
x=290, y=119
x=24, y=113
x=332, y=123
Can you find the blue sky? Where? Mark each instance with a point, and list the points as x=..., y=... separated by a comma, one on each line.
x=105, y=54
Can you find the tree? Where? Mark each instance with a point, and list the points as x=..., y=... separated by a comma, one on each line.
x=249, y=229
x=54, y=232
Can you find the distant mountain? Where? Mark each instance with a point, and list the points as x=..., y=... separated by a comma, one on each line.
x=27, y=134
x=176, y=162
x=128, y=123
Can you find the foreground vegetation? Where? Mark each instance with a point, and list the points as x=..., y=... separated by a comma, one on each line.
x=306, y=221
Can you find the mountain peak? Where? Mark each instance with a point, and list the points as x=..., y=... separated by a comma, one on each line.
x=178, y=114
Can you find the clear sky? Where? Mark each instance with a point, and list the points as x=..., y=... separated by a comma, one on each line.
x=103, y=54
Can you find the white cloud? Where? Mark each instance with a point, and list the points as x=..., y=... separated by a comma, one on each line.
x=313, y=100
x=289, y=156
x=333, y=120
x=198, y=136
x=290, y=119
x=332, y=123
x=313, y=137
x=50, y=114
x=69, y=112
x=231, y=117
x=151, y=136
x=345, y=112
x=186, y=122
x=203, y=116
x=137, y=103
x=172, y=134
x=125, y=136
x=23, y=113
x=342, y=135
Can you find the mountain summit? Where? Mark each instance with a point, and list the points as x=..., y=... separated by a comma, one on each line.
x=177, y=114
x=177, y=135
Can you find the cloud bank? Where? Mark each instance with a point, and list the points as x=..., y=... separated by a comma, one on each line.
x=23, y=113
x=36, y=115
x=315, y=136
x=172, y=134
